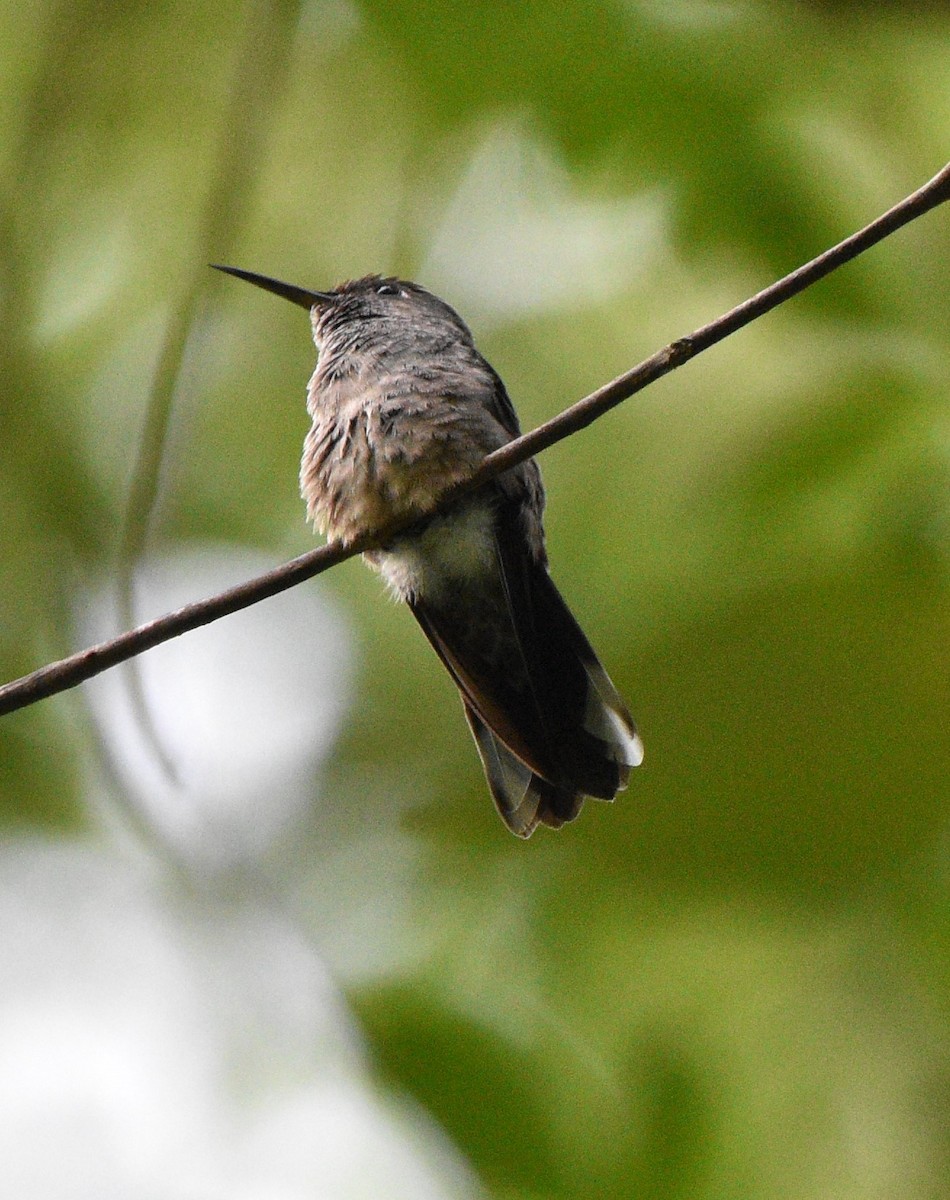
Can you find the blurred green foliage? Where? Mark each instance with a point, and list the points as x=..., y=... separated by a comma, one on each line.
x=734, y=981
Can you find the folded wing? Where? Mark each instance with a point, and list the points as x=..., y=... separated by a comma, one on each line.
x=549, y=725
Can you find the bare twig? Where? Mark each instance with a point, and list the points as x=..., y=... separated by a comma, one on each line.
x=257, y=81
x=68, y=672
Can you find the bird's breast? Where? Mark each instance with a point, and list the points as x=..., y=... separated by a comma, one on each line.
x=372, y=457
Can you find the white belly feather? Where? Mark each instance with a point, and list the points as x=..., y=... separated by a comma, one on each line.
x=450, y=552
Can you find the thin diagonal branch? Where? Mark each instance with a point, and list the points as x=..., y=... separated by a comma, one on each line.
x=68, y=672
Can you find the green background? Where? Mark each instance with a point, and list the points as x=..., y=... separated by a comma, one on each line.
x=733, y=981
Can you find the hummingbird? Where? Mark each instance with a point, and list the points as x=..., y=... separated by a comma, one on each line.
x=403, y=406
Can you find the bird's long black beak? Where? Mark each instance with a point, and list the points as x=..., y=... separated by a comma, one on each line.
x=295, y=294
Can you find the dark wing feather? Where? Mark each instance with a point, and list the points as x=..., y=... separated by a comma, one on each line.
x=549, y=726
x=524, y=800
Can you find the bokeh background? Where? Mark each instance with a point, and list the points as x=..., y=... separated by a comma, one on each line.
x=262, y=936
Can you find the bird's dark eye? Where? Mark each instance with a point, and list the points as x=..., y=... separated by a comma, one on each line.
x=389, y=289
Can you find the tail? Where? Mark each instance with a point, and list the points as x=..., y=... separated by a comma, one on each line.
x=549, y=725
